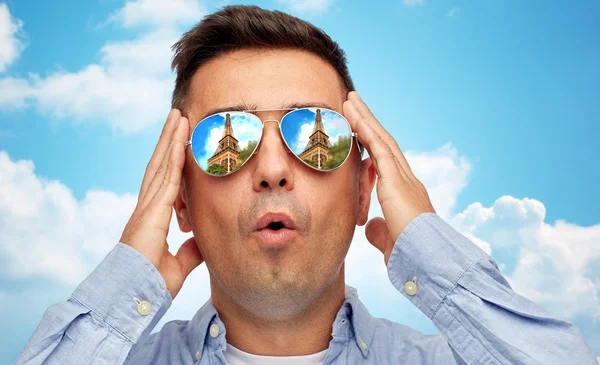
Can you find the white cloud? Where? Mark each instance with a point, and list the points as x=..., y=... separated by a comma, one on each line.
x=12, y=38
x=146, y=55
x=14, y=93
x=452, y=12
x=499, y=223
x=93, y=95
x=159, y=13
x=412, y=3
x=444, y=174
x=307, y=6
x=128, y=89
x=46, y=232
x=303, y=136
x=554, y=261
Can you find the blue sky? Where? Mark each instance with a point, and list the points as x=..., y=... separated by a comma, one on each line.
x=494, y=103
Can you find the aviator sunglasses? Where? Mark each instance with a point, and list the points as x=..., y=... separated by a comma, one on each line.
x=321, y=138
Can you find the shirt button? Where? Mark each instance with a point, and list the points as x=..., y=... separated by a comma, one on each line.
x=144, y=308
x=411, y=287
x=197, y=354
x=214, y=330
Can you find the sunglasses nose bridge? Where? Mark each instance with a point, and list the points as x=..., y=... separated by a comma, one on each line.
x=265, y=121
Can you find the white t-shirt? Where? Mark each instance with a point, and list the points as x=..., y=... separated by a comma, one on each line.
x=235, y=356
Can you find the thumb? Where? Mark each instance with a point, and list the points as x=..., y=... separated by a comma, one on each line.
x=378, y=234
x=189, y=256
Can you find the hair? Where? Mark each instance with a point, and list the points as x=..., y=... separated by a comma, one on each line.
x=236, y=27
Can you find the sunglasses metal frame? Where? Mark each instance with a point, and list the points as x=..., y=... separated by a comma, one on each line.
x=353, y=134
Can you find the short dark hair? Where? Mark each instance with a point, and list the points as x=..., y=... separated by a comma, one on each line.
x=236, y=27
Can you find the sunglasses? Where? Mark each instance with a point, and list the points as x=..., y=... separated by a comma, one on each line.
x=321, y=138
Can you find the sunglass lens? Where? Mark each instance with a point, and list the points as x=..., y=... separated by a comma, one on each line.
x=320, y=137
x=221, y=143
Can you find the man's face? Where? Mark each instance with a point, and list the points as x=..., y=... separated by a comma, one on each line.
x=222, y=211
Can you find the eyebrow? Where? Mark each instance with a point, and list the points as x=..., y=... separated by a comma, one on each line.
x=244, y=106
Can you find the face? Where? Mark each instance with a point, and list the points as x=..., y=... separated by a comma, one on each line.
x=223, y=212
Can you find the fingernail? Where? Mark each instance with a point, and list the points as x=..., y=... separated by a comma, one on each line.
x=177, y=122
x=170, y=114
x=359, y=98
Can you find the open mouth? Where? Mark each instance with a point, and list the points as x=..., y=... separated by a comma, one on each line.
x=275, y=230
x=275, y=226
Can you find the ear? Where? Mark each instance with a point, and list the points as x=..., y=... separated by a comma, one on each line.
x=365, y=188
x=181, y=210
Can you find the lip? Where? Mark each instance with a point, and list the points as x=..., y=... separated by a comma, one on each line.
x=271, y=217
x=272, y=239
x=275, y=238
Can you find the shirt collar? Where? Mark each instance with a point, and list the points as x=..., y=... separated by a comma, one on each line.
x=362, y=322
x=361, y=329
x=197, y=329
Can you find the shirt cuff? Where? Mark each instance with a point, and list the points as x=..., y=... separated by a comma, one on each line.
x=432, y=252
x=126, y=291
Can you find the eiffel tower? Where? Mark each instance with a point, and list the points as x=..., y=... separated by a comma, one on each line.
x=318, y=145
x=228, y=150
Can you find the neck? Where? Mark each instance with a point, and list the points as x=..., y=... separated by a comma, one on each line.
x=305, y=333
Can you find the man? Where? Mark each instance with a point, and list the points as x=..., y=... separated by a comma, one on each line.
x=274, y=230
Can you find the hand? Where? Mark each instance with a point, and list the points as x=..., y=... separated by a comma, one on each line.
x=401, y=195
x=148, y=226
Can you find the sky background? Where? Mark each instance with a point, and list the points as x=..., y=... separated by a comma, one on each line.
x=494, y=103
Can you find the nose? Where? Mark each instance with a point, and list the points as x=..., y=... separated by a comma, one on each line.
x=273, y=162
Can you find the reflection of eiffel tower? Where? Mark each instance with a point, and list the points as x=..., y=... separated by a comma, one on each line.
x=227, y=152
x=317, y=148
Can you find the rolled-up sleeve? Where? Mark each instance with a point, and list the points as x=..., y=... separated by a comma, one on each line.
x=116, y=306
x=460, y=288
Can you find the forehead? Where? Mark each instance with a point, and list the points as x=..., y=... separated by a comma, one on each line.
x=264, y=79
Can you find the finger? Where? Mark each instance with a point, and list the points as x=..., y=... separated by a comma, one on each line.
x=400, y=168
x=353, y=114
x=159, y=152
x=179, y=135
x=381, y=154
x=157, y=214
x=161, y=204
x=189, y=256
x=365, y=112
x=378, y=234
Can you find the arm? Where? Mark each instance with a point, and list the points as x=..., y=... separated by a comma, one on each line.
x=460, y=288
x=101, y=319
x=121, y=301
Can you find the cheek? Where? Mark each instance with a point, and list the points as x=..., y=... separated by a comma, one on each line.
x=335, y=206
x=212, y=218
